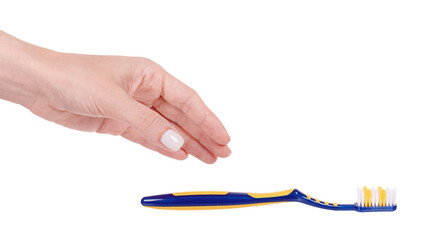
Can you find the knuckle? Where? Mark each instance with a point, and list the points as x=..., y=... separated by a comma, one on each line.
x=193, y=93
x=126, y=131
x=204, y=119
x=149, y=75
x=146, y=61
x=150, y=66
x=148, y=119
x=152, y=77
x=188, y=143
x=203, y=138
x=188, y=102
x=181, y=118
x=108, y=126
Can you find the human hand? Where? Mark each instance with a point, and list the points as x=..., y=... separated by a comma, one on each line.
x=127, y=96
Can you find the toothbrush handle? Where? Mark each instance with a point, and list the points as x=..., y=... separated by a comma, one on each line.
x=215, y=200
x=306, y=199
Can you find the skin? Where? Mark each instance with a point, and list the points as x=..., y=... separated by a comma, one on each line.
x=131, y=97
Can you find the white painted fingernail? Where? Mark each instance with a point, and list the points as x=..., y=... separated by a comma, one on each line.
x=172, y=140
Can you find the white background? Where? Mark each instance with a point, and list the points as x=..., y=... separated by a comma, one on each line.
x=323, y=96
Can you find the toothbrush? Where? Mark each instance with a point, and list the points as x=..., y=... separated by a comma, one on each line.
x=369, y=200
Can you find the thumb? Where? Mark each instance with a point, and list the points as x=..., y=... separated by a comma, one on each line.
x=149, y=124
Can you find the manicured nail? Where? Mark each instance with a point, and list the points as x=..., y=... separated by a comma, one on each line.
x=172, y=140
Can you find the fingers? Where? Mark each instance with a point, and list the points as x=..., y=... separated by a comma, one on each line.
x=189, y=102
x=148, y=123
x=133, y=136
x=138, y=123
x=176, y=115
x=190, y=146
x=193, y=147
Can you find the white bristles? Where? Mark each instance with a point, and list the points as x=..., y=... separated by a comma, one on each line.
x=394, y=197
x=388, y=197
x=391, y=197
x=360, y=197
x=376, y=197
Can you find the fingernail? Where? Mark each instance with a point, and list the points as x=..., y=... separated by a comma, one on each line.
x=172, y=140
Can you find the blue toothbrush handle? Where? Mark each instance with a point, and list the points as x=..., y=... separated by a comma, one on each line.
x=214, y=200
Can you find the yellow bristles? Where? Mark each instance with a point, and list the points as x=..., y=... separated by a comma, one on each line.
x=379, y=197
x=382, y=197
x=367, y=197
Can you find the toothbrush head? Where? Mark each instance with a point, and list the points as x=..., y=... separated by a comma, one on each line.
x=376, y=200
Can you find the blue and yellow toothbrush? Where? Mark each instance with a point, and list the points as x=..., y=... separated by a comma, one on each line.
x=369, y=200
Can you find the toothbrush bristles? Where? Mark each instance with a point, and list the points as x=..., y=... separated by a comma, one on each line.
x=376, y=197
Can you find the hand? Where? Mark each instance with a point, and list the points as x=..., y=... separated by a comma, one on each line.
x=127, y=96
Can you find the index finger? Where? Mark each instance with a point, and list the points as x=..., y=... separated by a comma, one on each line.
x=187, y=100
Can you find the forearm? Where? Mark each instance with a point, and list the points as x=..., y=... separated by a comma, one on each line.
x=21, y=70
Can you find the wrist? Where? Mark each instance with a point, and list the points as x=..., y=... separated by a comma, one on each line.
x=21, y=70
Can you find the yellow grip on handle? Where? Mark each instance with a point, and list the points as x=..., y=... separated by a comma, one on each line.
x=200, y=193
x=273, y=194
